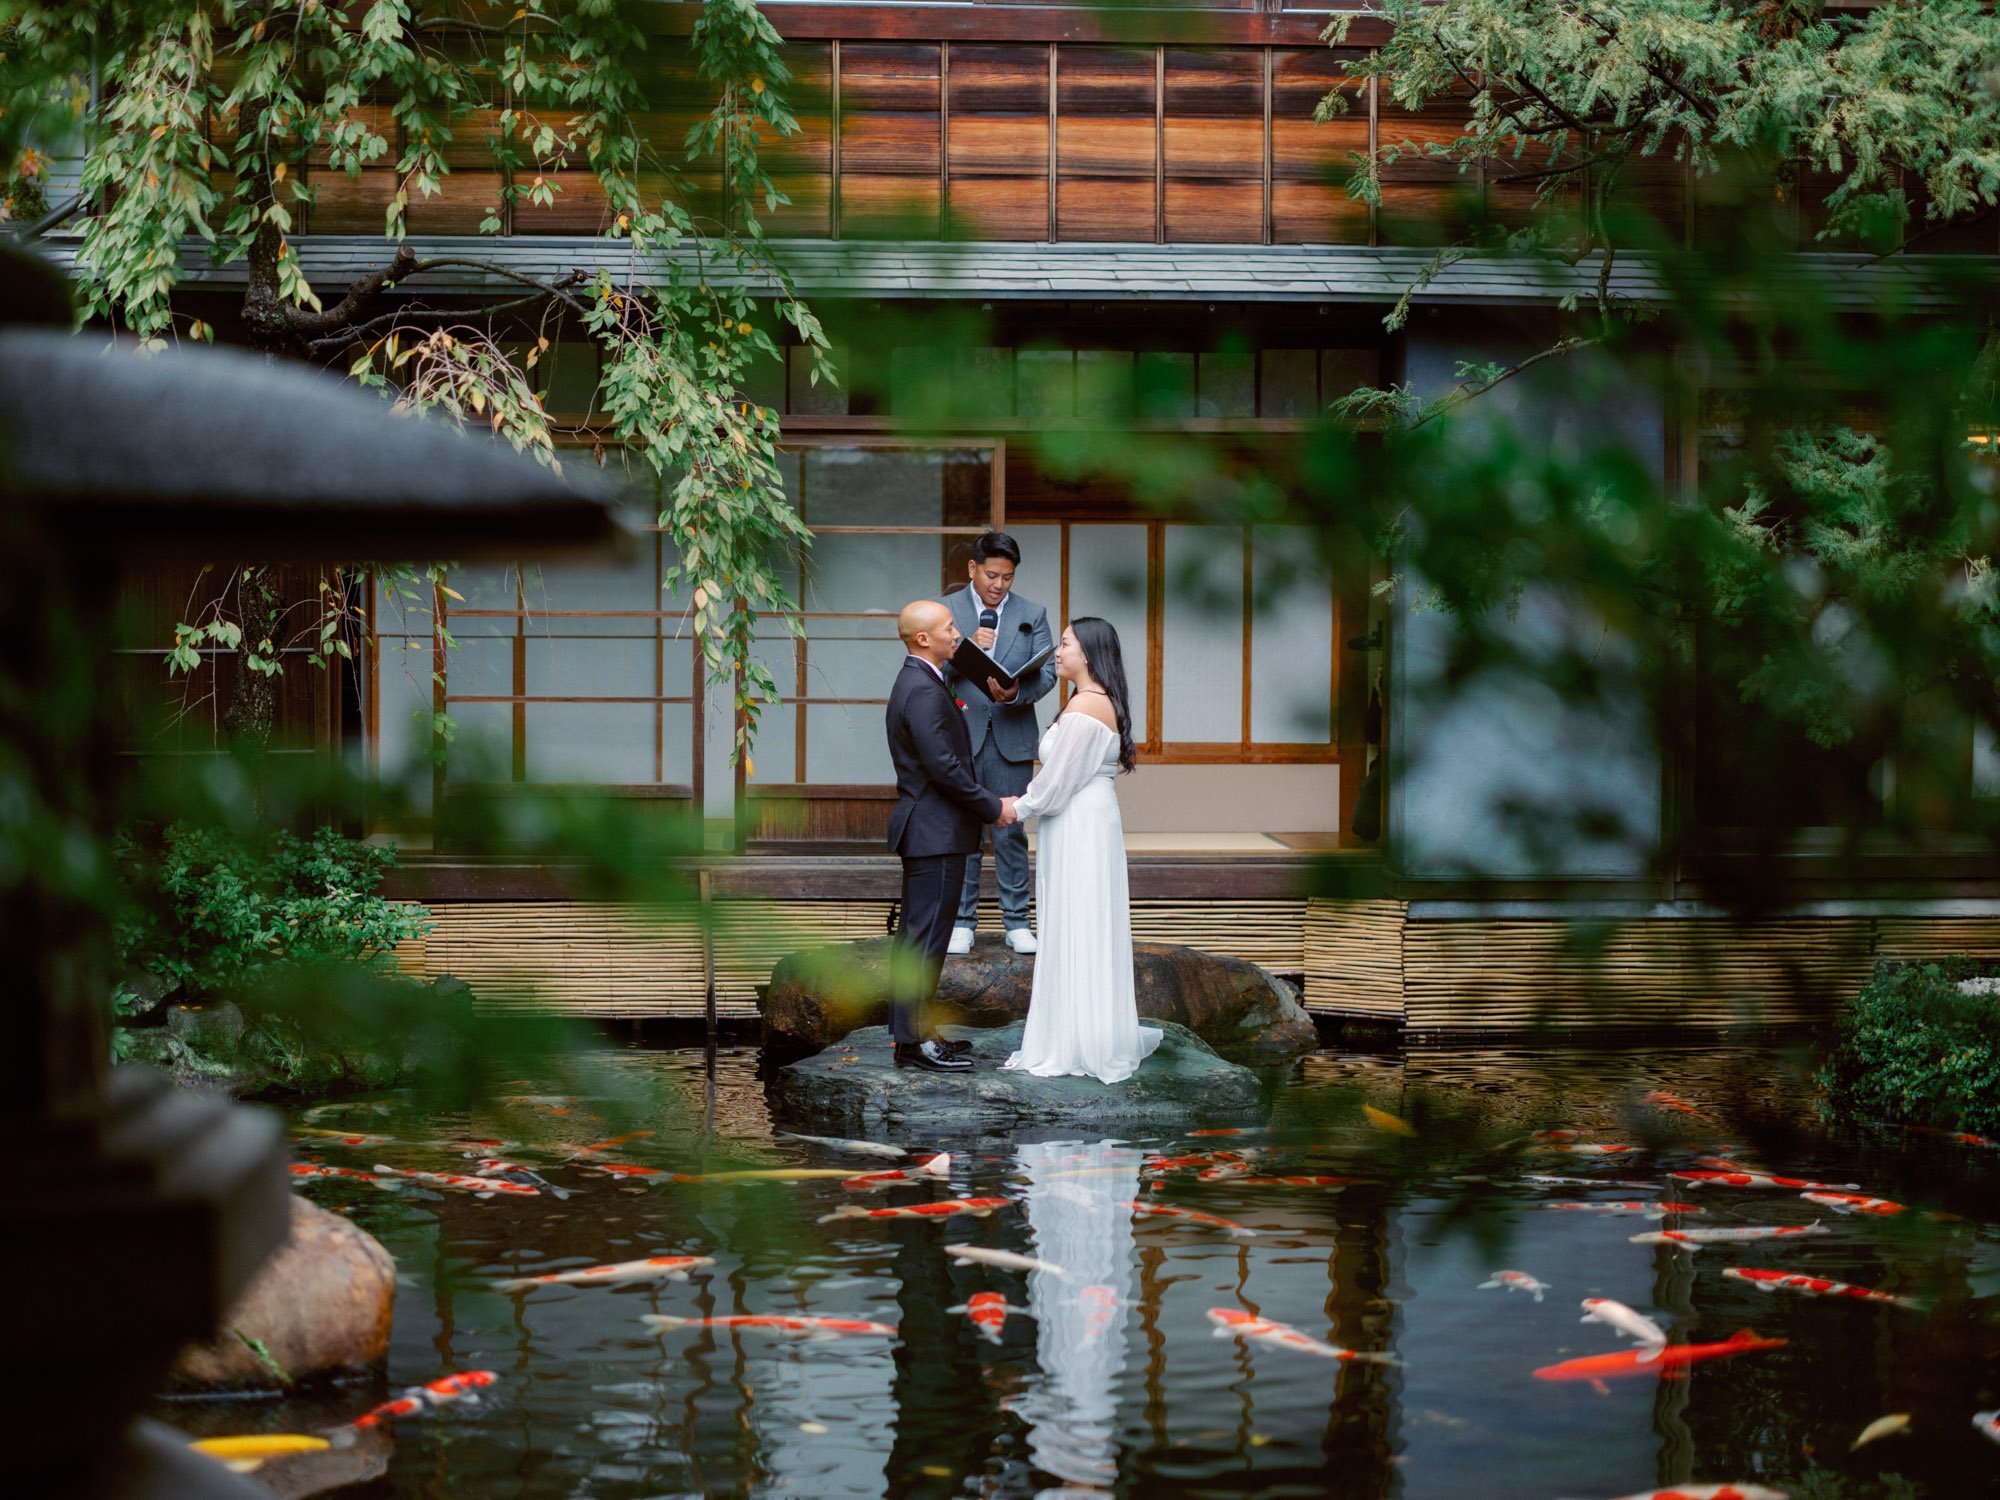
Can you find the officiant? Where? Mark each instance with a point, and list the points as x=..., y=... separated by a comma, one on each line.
x=1011, y=629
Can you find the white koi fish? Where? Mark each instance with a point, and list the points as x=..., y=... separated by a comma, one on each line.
x=798, y=1326
x=1543, y=1180
x=1515, y=1281
x=988, y=1311
x=653, y=1268
x=1233, y=1321
x=1189, y=1215
x=1694, y=1239
x=514, y=1172
x=1814, y=1286
x=1710, y=1492
x=1585, y=1148
x=1006, y=1260
x=924, y=1171
x=1634, y=1325
x=1853, y=1203
x=853, y=1148
x=1648, y=1210
x=479, y=1187
x=1988, y=1423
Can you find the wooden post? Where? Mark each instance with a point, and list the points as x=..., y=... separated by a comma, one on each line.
x=705, y=884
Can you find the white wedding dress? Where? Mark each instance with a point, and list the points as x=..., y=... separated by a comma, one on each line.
x=1083, y=1018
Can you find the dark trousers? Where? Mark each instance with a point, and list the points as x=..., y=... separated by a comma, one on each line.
x=931, y=886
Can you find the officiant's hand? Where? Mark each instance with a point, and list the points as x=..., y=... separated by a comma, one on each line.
x=984, y=638
x=999, y=694
x=1008, y=817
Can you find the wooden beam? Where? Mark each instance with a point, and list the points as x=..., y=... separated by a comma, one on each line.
x=1127, y=25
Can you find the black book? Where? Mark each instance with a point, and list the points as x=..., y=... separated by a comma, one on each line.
x=973, y=664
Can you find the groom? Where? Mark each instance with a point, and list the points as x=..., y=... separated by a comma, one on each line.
x=938, y=813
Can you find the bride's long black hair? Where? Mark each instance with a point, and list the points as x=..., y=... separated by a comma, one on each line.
x=1098, y=642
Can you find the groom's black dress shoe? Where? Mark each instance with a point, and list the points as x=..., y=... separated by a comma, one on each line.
x=955, y=1048
x=933, y=1055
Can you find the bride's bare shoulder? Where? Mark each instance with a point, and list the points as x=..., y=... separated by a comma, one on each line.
x=1095, y=706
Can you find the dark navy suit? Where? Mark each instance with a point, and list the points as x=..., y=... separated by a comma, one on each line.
x=939, y=811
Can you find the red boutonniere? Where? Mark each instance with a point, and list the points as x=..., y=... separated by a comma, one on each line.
x=959, y=701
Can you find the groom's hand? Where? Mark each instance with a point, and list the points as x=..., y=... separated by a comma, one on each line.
x=999, y=694
x=1008, y=817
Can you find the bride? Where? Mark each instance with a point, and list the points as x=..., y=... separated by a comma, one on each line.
x=1082, y=1017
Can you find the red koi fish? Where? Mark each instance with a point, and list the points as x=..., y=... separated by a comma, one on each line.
x=1221, y=1130
x=1587, y=1149
x=625, y=1169
x=1222, y=1171
x=598, y=1148
x=1813, y=1286
x=1233, y=1320
x=652, y=1268
x=927, y=1170
x=1694, y=1239
x=1515, y=1281
x=1294, y=1181
x=1100, y=1306
x=1560, y=1135
x=1670, y=1363
x=1661, y=1099
x=1853, y=1203
x=1988, y=1423
x=1963, y=1137
x=1650, y=1210
x=1738, y=1178
x=802, y=1327
x=1709, y=1492
x=1160, y=1166
x=341, y=1138
x=464, y=1386
x=479, y=1187
x=988, y=1311
x=945, y=1208
x=314, y=1169
x=1168, y=1211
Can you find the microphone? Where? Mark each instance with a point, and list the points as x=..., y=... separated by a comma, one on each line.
x=988, y=619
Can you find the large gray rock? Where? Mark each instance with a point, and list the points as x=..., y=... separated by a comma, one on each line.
x=857, y=1086
x=1245, y=1014
x=320, y=1309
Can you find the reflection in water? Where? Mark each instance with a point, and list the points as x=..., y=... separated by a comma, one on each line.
x=1075, y=1201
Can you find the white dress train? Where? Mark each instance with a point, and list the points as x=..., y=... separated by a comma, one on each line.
x=1083, y=1018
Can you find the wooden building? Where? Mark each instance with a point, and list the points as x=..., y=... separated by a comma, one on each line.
x=1136, y=212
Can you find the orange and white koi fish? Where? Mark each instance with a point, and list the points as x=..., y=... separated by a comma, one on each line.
x=1988, y=1423
x=856, y=1148
x=1006, y=1260
x=1542, y=1180
x=988, y=1311
x=1710, y=1492
x=1813, y=1286
x=598, y=1148
x=1694, y=1239
x=625, y=1169
x=1234, y=1321
x=1160, y=1166
x=1650, y=1210
x=1670, y=1363
x=479, y=1187
x=928, y=1170
x=763, y=1174
x=1221, y=1130
x=314, y=1169
x=1100, y=1306
x=1634, y=1325
x=944, y=1208
x=1853, y=1203
x=1587, y=1148
x=1168, y=1211
x=464, y=1386
x=1661, y=1099
x=1560, y=1135
x=653, y=1268
x=1514, y=1281
x=343, y=1138
x=802, y=1327
x=1292, y=1181
x=1742, y=1179
x=491, y=1166
x=1223, y=1171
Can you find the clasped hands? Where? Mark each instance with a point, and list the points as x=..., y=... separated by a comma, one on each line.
x=1008, y=816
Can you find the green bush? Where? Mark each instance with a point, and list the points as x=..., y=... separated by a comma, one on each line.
x=1914, y=1050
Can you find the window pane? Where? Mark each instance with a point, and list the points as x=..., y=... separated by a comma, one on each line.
x=480, y=666
x=871, y=486
x=1228, y=385
x=1046, y=383
x=1202, y=647
x=626, y=585
x=847, y=743
x=1166, y=386
x=852, y=668
x=607, y=666
x=848, y=573
x=1040, y=575
x=806, y=398
x=1290, y=383
x=1107, y=578
x=492, y=586
x=403, y=692
x=1291, y=640
x=1342, y=371
x=1104, y=383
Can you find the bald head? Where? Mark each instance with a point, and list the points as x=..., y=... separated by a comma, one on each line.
x=926, y=628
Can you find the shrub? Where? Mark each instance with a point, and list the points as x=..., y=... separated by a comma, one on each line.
x=1913, y=1049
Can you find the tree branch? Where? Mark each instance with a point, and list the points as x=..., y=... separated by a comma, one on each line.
x=1464, y=393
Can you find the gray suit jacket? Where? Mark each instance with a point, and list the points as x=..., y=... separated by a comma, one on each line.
x=1024, y=630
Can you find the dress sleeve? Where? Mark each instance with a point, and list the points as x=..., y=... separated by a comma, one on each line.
x=1075, y=753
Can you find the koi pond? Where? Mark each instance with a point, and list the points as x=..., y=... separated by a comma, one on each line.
x=1183, y=1326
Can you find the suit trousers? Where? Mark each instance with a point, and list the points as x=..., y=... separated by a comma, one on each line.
x=931, y=884
x=1003, y=778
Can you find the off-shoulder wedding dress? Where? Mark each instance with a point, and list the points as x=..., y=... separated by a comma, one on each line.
x=1082, y=1017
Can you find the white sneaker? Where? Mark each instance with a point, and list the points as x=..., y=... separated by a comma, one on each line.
x=961, y=940
x=1022, y=940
